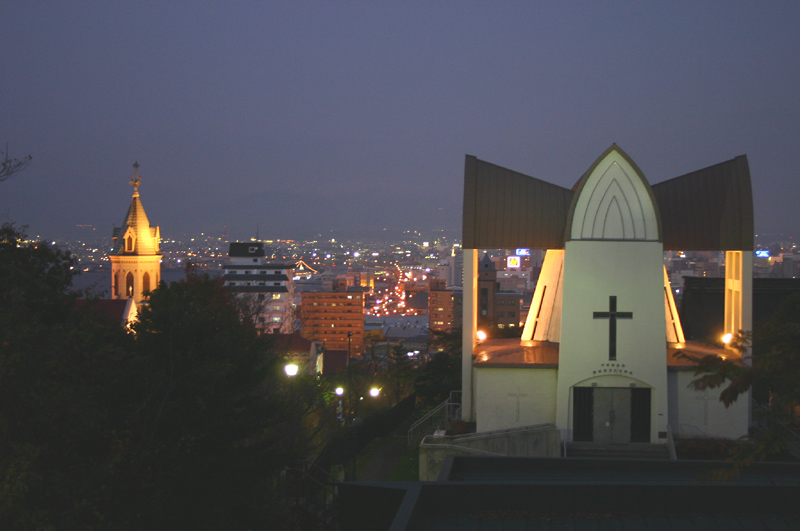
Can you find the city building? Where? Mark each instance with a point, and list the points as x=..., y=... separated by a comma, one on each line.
x=444, y=306
x=600, y=353
x=266, y=287
x=135, y=255
x=335, y=317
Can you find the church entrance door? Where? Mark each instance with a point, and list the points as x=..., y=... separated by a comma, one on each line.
x=611, y=415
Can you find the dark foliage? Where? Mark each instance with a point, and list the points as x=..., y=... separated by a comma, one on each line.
x=442, y=373
x=174, y=427
x=10, y=166
x=773, y=377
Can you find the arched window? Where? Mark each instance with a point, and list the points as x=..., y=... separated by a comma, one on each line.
x=129, y=285
x=129, y=244
x=146, y=283
x=116, y=284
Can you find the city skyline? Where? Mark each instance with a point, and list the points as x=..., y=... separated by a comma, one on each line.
x=301, y=119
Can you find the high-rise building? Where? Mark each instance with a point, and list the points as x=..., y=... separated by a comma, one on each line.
x=334, y=317
x=135, y=257
x=444, y=306
x=267, y=288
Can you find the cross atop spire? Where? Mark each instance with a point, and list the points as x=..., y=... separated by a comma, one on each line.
x=136, y=181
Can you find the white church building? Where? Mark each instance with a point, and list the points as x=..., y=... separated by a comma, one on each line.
x=599, y=355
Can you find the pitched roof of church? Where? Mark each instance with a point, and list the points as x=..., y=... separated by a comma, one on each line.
x=709, y=209
x=146, y=239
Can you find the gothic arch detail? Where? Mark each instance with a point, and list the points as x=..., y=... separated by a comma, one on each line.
x=614, y=202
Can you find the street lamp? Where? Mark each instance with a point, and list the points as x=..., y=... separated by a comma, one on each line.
x=349, y=338
x=374, y=392
x=291, y=370
x=357, y=423
x=340, y=405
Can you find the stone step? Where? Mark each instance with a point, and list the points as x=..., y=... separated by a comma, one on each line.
x=618, y=451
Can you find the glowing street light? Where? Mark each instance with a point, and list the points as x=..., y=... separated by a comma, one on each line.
x=374, y=392
x=481, y=335
x=291, y=369
x=339, y=391
x=727, y=338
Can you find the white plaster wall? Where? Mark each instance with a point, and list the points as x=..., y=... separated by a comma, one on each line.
x=498, y=389
x=633, y=272
x=701, y=414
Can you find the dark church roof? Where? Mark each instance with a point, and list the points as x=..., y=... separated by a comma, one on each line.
x=504, y=209
x=709, y=209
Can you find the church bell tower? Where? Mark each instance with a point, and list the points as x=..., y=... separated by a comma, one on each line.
x=135, y=258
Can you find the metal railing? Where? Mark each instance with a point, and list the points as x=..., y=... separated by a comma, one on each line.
x=671, y=444
x=465, y=449
x=436, y=419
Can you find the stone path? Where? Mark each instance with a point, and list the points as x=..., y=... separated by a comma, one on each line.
x=383, y=460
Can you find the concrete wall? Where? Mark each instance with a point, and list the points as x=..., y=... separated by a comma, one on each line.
x=696, y=414
x=514, y=398
x=529, y=441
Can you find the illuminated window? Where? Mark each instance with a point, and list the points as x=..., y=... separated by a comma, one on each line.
x=277, y=296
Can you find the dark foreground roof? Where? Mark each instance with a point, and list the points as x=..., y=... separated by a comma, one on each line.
x=490, y=493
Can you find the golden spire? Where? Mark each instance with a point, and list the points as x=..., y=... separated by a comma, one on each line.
x=136, y=181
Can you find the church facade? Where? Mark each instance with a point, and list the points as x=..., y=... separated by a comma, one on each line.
x=135, y=256
x=600, y=354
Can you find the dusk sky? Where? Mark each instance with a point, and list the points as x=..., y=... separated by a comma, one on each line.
x=302, y=117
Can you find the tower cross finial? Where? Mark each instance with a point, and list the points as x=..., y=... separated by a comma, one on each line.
x=136, y=181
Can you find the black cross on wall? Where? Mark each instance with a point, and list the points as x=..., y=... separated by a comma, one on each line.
x=612, y=315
